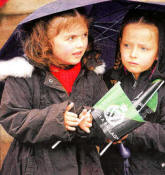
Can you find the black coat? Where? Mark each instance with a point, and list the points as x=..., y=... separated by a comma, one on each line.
x=32, y=112
x=146, y=143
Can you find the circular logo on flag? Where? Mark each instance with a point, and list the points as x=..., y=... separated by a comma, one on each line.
x=115, y=114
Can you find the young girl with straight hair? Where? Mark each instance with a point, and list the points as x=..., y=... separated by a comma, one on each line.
x=140, y=61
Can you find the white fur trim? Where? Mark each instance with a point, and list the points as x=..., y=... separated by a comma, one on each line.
x=17, y=67
x=100, y=69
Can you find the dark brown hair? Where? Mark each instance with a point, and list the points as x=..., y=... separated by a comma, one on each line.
x=144, y=17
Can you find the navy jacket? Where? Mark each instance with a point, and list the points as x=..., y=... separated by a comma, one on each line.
x=146, y=143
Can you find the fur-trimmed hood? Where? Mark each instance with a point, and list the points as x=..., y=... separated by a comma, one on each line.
x=16, y=67
x=20, y=67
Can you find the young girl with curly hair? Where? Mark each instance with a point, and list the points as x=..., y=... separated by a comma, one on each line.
x=47, y=106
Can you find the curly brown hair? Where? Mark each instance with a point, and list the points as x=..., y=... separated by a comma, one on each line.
x=37, y=45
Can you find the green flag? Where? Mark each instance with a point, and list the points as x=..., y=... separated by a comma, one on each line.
x=116, y=101
x=117, y=115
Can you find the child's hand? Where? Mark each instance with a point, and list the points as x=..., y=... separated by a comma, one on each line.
x=85, y=121
x=71, y=119
x=120, y=140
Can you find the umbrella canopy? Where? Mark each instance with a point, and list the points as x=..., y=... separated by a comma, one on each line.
x=107, y=17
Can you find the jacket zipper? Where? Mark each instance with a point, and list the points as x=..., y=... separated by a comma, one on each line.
x=135, y=84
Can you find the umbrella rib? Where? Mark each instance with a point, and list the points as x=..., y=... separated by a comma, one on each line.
x=106, y=28
x=111, y=27
x=104, y=38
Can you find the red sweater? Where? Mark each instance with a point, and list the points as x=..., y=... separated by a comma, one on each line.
x=66, y=77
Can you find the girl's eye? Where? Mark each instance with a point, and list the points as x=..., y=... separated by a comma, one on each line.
x=71, y=38
x=126, y=45
x=144, y=49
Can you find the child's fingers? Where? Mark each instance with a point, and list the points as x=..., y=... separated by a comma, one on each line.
x=119, y=141
x=70, y=106
x=83, y=113
x=85, y=126
x=72, y=123
x=85, y=121
x=71, y=119
x=85, y=116
x=70, y=128
x=71, y=115
x=86, y=129
x=88, y=124
x=108, y=141
x=89, y=119
x=124, y=137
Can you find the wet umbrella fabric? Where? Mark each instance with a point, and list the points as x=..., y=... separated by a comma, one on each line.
x=13, y=45
x=107, y=17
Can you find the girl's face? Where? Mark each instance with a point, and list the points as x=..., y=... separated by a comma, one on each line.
x=139, y=47
x=70, y=44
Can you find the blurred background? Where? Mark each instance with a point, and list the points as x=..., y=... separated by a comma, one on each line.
x=11, y=13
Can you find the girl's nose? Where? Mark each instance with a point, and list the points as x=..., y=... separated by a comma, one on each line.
x=80, y=42
x=133, y=53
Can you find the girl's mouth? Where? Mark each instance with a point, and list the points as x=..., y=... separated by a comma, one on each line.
x=132, y=63
x=77, y=53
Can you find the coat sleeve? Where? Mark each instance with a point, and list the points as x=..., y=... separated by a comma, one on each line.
x=96, y=135
x=25, y=123
x=100, y=89
x=151, y=135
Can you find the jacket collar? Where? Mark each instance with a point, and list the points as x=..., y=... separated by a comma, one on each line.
x=51, y=81
x=23, y=68
x=16, y=67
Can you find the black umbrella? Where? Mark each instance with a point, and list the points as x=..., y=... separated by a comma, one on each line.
x=107, y=17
